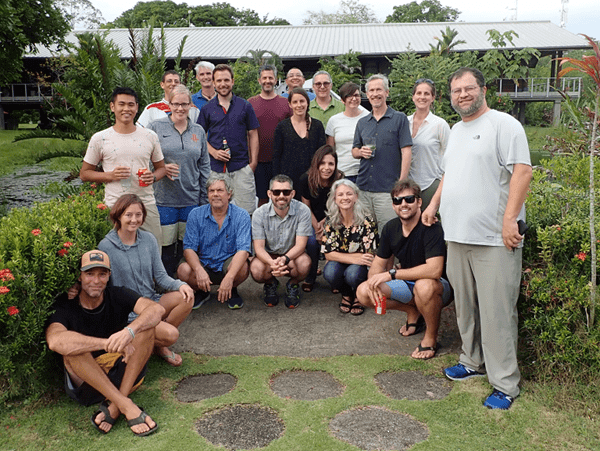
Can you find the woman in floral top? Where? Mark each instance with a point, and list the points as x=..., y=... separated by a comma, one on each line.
x=350, y=240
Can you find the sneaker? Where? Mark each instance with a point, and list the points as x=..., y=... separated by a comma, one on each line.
x=235, y=301
x=292, y=295
x=200, y=298
x=460, y=372
x=498, y=400
x=271, y=298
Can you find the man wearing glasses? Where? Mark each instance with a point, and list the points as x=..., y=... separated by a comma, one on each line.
x=324, y=106
x=162, y=109
x=415, y=285
x=487, y=170
x=295, y=79
x=280, y=231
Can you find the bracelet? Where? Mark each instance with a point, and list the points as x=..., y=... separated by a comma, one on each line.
x=130, y=330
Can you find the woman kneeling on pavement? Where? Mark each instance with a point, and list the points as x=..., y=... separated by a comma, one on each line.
x=136, y=264
x=350, y=240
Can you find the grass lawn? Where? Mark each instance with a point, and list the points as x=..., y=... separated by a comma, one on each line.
x=457, y=422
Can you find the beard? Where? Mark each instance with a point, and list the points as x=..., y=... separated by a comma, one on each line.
x=473, y=108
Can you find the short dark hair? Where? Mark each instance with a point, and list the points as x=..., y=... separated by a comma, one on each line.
x=267, y=67
x=122, y=204
x=281, y=178
x=170, y=72
x=404, y=184
x=123, y=90
x=222, y=67
x=348, y=89
x=468, y=70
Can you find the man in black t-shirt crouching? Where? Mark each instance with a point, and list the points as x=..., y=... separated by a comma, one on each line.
x=415, y=285
x=104, y=356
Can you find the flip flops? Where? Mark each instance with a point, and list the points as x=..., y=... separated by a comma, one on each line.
x=103, y=408
x=172, y=359
x=419, y=326
x=139, y=420
x=426, y=348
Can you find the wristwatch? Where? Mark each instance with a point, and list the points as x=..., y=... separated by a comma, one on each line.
x=287, y=260
x=392, y=273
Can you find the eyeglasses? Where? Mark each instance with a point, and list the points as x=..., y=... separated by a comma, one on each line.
x=278, y=192
x=180, y=105
x=294, y=75
x=325, y=84
x=409, y=199
x=354, y=96
x=467, y=89
x=425, y=80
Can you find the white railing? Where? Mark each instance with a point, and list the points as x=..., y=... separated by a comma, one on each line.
x=539, y=88
x=25, y=92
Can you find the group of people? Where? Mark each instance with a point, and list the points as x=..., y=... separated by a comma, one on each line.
x=262, y=188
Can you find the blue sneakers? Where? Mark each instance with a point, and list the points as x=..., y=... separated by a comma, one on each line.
x=271, y=299
x=498, y=400
x=235, y=301
x=459, y=372
x=200, y=298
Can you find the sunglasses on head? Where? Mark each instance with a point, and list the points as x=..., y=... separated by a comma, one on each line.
x=285, y=192
x=409, y=199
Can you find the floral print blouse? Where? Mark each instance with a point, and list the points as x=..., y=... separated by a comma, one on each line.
x=361, y=238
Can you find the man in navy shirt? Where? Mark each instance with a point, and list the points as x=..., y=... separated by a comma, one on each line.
x=232, y=129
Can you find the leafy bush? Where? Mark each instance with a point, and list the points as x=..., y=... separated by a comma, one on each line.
x=39, y=258
x=555, y=297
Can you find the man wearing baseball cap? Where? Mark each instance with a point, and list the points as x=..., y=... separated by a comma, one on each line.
x=105, y=357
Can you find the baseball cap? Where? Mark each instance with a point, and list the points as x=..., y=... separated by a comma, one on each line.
x=95, y=259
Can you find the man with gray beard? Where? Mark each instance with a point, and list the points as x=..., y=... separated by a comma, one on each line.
x=487, y=170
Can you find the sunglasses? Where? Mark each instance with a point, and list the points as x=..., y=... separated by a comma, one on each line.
x=409, y=199
x=285, y=192
x=424, y=80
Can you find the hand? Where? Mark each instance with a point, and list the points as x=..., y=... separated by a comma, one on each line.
x=172, y=170
x=147, y=177
x=428, y=217
x=187, y=292
x=366, y=259
x=127, y=352
x=224, y=291
x=376, y=280
x=279, y=267
x=202, y=279
x=319, y=229
x=374, y=295
x=221, y=155
x=118, y=341
x=366, y=152
x=74, y=291
x=510, y=234
x=121, y=172
x=253, y=165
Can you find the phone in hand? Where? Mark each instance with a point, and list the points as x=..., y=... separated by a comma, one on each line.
x=523, y=227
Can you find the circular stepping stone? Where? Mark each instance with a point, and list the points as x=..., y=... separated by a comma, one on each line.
x=373, y=428
x=306, y=385
x=240, y=427
x=412, y=385
x=204, y=386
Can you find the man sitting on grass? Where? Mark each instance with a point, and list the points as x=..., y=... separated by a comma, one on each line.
x=105, y=357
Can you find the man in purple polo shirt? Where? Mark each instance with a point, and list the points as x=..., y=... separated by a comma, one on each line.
x=232, y=129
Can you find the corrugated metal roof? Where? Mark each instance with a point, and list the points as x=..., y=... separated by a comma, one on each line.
x=314, y=41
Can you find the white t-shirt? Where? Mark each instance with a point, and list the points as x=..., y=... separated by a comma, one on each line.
x=478, y=166
x=428, y=149
x=342, y=128
x=135, y=150
x=162, y=109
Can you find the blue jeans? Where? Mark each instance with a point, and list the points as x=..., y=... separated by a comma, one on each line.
x=313, y=249
x=345, y=278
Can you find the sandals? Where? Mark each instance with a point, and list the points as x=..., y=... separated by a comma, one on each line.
x=172, y=358
x=103, y=408
x=426, y=348
x=419, y=326
x=357, y=308
x=139, y=420
x=307, y=287
x=346, y=304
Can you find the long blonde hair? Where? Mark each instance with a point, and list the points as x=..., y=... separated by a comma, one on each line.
x=359, y=211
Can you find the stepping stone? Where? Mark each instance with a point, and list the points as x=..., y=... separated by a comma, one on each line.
x=306, y=385
x=241, y=427
x=372, y=428
x=204, y=386
x=412, y=385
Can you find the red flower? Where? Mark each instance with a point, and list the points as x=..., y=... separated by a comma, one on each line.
x=4, y=290
x=63, y=252
x=92, y=192
x=36, y=232
x=5, y=274
x=582, y=256
x=102, y=206
x=93, y=185
x=68, y=244
x=12, y=310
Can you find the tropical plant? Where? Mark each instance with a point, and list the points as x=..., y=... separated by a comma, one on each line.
x=245, y=71
x=342, y=68
x=447, y=43
x=589, y=65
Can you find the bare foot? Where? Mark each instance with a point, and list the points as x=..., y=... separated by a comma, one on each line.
x=169, y=356
x=139, y=422
x=104, y=422
x=424, y=352
x=413, y=326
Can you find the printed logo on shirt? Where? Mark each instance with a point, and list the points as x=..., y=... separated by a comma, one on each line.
x=194, y=137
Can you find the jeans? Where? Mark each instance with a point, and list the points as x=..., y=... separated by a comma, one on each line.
x=345, y=278
x=313, y=249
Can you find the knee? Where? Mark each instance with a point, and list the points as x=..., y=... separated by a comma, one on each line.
x=303, y=263
x=355, y=275
x=362, y=294
x=330, y=272
x=426, y=290
x=243, y=273
x=257, y=270
x=166, y=333
x=183, y=272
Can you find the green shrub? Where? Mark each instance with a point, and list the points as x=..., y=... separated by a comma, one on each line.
x=556, y=286
x=39, y=258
